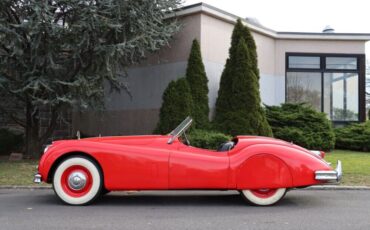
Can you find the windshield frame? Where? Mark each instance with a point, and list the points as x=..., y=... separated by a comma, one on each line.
x=180, y=129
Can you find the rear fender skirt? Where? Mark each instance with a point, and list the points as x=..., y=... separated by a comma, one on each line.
x=263, y=171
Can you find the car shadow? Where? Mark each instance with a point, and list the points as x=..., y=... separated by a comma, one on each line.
x=187, y=198
x=204, y=199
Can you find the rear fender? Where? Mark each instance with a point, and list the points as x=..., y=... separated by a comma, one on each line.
x=263, y=171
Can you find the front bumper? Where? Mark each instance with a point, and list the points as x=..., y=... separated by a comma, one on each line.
x=37, y=178
x=330, y=176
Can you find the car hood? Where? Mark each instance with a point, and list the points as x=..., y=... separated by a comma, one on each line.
x=127, y=140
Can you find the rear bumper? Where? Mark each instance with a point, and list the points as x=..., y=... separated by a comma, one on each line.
x=330, y=176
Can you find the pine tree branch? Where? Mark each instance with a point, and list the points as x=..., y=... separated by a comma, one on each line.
x=14, y=118
x=52, y=124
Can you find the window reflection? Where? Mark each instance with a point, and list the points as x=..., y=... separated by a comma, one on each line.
x=304, y=87
x=341, y=63
x=341, y=96
x=304, y=62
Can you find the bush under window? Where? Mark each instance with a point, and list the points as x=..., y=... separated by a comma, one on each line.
x=353, y=137
x=302, y=125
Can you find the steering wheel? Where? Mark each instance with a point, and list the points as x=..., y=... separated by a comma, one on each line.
x=187, y=142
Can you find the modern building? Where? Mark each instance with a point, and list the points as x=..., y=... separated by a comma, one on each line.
x=324, y=69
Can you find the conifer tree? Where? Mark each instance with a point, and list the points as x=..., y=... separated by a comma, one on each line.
x=57, y=54
x=238, y=106
x=197, y=79
x=176, y=106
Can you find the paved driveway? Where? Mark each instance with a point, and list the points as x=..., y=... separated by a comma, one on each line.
x=301, y=209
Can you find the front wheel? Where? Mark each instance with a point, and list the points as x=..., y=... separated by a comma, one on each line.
x=77, y=180
x=264, y=197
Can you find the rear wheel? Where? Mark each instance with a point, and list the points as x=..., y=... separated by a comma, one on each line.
x=77, y=181
x=264, y=197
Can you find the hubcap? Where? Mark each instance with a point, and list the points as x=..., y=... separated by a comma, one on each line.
x=77, y=180
x=264, y=193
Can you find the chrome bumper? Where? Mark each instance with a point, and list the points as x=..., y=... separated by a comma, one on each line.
x=330, y=176
x=37, y=178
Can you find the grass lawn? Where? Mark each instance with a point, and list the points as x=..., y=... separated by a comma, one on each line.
x=356, y=168
x=17, y=172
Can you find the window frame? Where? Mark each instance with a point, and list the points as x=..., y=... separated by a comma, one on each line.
x=360, y=70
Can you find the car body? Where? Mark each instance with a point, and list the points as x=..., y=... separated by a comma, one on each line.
x=262, y=168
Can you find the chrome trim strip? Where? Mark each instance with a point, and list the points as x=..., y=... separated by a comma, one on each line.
x=332, y=175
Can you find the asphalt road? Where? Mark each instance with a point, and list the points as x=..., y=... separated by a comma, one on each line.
x=301, y=209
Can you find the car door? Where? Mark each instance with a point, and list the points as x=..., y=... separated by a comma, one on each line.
x=195, y=168
x=132, y=166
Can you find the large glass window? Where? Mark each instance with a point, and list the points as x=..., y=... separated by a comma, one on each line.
x=304, y=87
x=329, y=83
x=341, y=96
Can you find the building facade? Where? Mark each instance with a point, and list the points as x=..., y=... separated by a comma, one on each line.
x=326, y=70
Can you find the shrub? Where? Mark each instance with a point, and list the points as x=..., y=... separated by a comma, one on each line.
x=10, y=141
x=353, y=137
x=238, y=105
x=197, y=79
x=302, y=125
x=207, y=139
x=176, y=106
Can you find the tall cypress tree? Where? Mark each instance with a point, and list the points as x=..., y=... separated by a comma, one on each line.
x=197, y=79
x=238, y=106
x=176, y=106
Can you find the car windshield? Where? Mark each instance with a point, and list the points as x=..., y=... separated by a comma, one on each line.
x=180, y=129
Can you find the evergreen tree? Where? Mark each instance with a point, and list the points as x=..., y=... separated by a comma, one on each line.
x=197, y=79
x=57, y=54
x=238, y=106
x=177, y=104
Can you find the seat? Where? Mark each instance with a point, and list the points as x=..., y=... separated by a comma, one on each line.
x=226, y=146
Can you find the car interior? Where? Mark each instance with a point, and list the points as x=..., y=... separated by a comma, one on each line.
x=180, y=132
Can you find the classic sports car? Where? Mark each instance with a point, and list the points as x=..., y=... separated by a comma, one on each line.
x=262, y=169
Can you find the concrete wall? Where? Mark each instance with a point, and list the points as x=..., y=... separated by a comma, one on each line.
x=139, y=114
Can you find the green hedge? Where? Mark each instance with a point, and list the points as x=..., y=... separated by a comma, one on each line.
x=302, y=125
x=353, y=137
x=10, y=141
x=207, y=139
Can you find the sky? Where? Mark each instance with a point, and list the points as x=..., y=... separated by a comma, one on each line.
x=344, y=16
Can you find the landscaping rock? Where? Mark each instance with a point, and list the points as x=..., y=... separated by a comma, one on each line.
x=16, y=157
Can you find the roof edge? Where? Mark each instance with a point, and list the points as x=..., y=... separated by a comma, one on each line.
x=231, y=18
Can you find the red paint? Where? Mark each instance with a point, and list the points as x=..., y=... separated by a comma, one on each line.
x=264, y=193
x=148, y=162
x=70, y=191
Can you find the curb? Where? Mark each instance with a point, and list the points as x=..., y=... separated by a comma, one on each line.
x=316, y=187
x=337, y=187
x=30, y=187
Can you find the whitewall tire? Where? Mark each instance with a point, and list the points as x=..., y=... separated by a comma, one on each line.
x=264, y=197
x=77, y=180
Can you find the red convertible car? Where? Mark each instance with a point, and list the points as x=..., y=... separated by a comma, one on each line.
x=262, y=169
